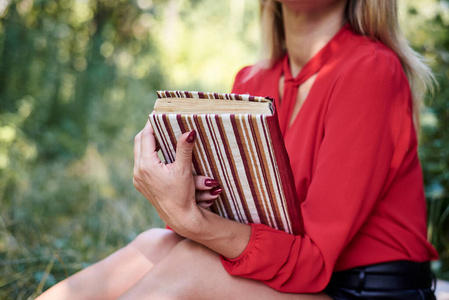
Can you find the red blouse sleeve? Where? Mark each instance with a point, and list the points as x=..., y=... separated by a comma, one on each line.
x=367, y=133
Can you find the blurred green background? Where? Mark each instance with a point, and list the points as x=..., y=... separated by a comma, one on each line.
x=77, y=81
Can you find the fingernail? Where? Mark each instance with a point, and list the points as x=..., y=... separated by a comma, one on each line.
x=191, y=137
x=216, y=191
x=211, y=182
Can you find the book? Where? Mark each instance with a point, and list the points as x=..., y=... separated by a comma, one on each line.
x=239, y=143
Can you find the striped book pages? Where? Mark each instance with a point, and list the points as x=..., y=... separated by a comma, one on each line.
x=244, y=151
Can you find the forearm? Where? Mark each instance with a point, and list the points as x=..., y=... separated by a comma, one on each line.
x=226, y=237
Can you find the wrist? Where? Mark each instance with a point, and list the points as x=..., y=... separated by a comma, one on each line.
x=189, y=223
x=223, y=236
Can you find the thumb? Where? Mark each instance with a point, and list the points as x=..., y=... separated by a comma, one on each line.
x=184, y=149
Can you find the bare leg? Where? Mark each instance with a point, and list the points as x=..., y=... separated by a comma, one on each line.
x=118, y=272
x=191, y=271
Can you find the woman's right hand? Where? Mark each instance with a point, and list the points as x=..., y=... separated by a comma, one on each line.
x=207, y=190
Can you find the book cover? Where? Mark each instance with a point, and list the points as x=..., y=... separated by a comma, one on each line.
x=239, y=143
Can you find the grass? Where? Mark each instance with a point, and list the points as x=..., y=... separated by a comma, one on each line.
x=59, y=217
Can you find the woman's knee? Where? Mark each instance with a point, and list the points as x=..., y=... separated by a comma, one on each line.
x=173, y=277
x=187, y=271
x=156, y=243
x=191, y=251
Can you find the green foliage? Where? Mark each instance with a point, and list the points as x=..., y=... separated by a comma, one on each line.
x=431, y=38
x=77, y=80
x=75, y=87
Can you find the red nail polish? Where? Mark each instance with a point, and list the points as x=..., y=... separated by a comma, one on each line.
x=216, y=191
x=211, y=182
x=191, y=137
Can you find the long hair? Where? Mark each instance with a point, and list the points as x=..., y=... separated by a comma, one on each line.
x=376, y=19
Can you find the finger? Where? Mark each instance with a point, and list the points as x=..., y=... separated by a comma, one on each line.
x=148, y=144
x=213, y=194
x=206, y=204
x=184, y=150
x=204, y=182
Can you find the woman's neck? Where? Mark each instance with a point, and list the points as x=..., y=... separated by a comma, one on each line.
x=309, y=29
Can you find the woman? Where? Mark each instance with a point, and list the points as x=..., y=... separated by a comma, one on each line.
x=342, y=75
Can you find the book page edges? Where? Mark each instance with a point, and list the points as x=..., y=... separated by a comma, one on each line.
x=210, y=106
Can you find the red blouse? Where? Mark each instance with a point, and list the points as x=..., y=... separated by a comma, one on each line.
x=353, y=150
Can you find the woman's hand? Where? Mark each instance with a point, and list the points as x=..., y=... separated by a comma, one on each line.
x=207, y=190
x=171, y=188
x=178, y=196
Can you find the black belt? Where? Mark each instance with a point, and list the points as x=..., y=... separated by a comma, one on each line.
x=395, y=275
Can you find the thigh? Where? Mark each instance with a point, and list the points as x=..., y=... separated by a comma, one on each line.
x=112, y=276
x=155, y=244
x=192, y=271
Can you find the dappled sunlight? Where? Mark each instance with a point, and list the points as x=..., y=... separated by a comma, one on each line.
x=77, y=82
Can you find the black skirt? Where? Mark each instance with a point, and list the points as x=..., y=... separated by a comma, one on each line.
x=393, y=280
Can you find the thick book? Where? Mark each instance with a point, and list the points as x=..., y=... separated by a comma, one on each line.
x=239, y=143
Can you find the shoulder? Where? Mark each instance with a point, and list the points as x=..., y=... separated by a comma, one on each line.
x=373, y=58
x=366, y=63
x=243, y=75
x=257, y=80
x=370, y=77
x=252, y=75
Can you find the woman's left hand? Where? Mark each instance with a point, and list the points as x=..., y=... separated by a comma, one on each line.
x=169, y=187
x=176, y=194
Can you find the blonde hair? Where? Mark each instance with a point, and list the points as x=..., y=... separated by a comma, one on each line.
x=376, y=19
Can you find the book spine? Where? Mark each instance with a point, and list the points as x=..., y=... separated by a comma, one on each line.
x=286, y=174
